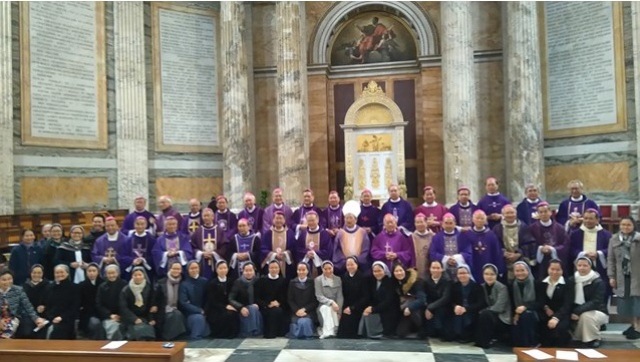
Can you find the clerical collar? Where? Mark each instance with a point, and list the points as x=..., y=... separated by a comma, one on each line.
x=435, y=203
x=308, y=206
x=435, y=280
x=464, y=206
x=278, y=206
x=171, y=235
x=496, y=194
x=279, y=229
x=334, y=208
x=352, y=229
x=579, y=199
x=144, y=233
x=222, y=280
x=192, y=215
x=533, y=201
x=479, y=230
x=113, y=237
x=210, y=226
x=450, y=232
x=314, y=230
x=251, y=209
x=390, y=232
x=140, y=212
x=273, y=277
x=396, y=200
x=425, y=233
x=546, y=223
x=367, y=205
x=223, y=211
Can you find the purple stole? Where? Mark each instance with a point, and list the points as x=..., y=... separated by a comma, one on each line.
x=141, y=248
x=244, y=244
x=192, y=222
x=206, y=239
x=334, y=219
x=254, y=218
x=450, y=249
x=103, y=247
x=172, y=243
x=227, y=222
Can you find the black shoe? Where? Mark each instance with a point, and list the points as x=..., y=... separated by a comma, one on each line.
x=594, y=344
x=633, y=334
x=628, y=330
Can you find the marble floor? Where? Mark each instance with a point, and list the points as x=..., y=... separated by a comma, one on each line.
x=286, y=350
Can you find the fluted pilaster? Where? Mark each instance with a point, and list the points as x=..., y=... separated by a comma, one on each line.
x=293, y=146
x=131, y=111
x=6, y=112
x=459, y=114
x=238, y=128
x=522, y=98
x=635, y=19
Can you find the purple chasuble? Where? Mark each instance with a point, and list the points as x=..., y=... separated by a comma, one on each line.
x=267, y=219
x=568, y=207
x=401, y=209
x=436, y=211
x=297, y=217
x=396, y=242
x=228, y=222
x=254, y=218
x=354, y=242
x=450, y=245
x=129, y=221
x=368, y=218
x=281, y=242
x=103, y=247
x=485, y=248
x=331, y=218
x=555, y=236
x=249, y=243
x=191, y=222
x=160, y=221
x=493, y=204
x=166, y=243
x=463, y=214
x=209, y=239
x=528, y=211
x=140, y=247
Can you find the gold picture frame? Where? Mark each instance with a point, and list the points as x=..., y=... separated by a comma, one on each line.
x=160, y=146
x=101, y=86
x=620, y=124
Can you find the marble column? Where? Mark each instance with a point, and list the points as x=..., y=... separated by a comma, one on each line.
x=635, y=20
x=293, y=143
x=524, y=138
x=131, y=109
x=6, y=112
x=459, y=115
x=239, y=140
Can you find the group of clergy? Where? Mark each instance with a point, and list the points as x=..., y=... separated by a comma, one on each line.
x=396, y=247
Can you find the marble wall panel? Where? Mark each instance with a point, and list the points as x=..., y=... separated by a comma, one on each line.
x=489, y=104
x=487, y=25
x=182, y=189
x=597, y=177
x=63, y=193
x=264, y=34
x=266, y=123
x=432, y=145
x=318, y=140
x=315, y=11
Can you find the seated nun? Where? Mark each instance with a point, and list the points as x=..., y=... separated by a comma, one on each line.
x=303, y=303
x=243, y=299
x=330, y=300
x=589, y=310
x=107, y=302
x=380, y=317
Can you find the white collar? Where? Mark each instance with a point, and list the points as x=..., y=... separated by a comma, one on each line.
x=396, y=200
x=223, y=211
x=278, y=206
x=351, y=229
x=592, y=230
x=144, y=233
x=464, y=205
x=479, y=231
x=546, y=223
x=532, y=201
x=580, y=199
x=366, y=205
x=191, y=214
x=548, y=280
x=113, y=237
x=273, y=277
x=302, y=280
x=334, y=208
x=222, y=280
x=449, y=233
x=435, y=203
x=425, y=233
x=251, y=209
x=515, y=222
x=496, y=194
x=314, y=230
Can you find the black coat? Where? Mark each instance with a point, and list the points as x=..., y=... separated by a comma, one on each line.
x=384, y=301
x=129, y=312
x=438, y=295
x=62, y=300
x=355, y=292
x=302, y=296
x=475, y=300
x=268, y=290
x=239, y=296
x=561, y=302
x=224, y=323
x=37, y=293
x=108, y=298
x=594, y=296
x=21, y=261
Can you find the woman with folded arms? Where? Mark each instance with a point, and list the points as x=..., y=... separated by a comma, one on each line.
x=108, y=302
x=412, y=299
x=90, y=324
x=556, y=299
x=271, y=296
x=221, y=315
x=191, y=301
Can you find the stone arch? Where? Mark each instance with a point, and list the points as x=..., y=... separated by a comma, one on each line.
x=412, y=13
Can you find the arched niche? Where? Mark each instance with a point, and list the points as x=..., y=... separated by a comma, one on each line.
x=374, y=144
x=416, y=19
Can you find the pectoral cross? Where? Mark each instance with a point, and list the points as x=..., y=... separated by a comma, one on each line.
x=193, y=226
x=387, y=247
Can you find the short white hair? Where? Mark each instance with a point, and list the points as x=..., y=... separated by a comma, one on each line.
x=166, y=198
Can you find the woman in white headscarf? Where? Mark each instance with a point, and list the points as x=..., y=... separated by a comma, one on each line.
x=589, y=311
x=380, y=317
x=328, y=289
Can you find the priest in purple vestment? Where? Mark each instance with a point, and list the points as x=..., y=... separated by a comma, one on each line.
x=527, y=208
x=191, y=222
x=552, y=242
x=298, y=220
x=140, y=204
x=331, y=218
x=225, y=218
x=109, y=248
x=277, y=205
x=254, y=214
x=279, y=243
x=492, y=203
x=485, y=247
x=400, y=208
x=515, y=240
x=313, y=244
x=570, y=210
x=139, y=246
x=369, y=214
x=351, y=240
x=592, y=241
x=209, y=244
x=391, y=245
x=244, y=248
x=463, y=209
x=450, y=248
x=431, y=209
x=170, y=247
x=166, y=210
